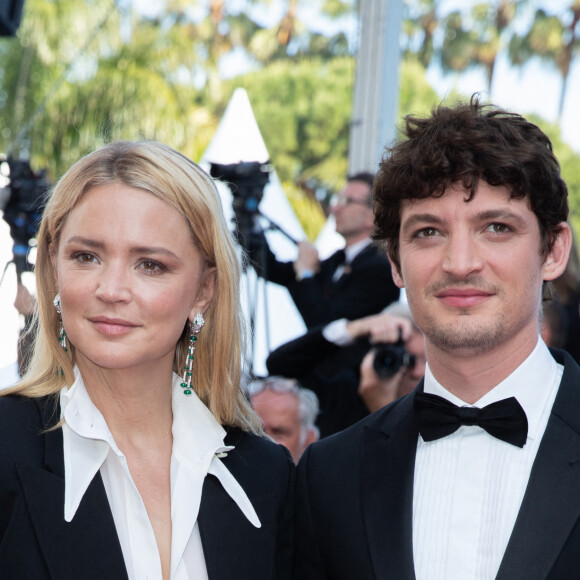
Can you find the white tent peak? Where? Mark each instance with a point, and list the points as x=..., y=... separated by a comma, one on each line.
x=237, y=138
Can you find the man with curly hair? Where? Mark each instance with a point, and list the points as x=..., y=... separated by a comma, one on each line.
x=476, y=473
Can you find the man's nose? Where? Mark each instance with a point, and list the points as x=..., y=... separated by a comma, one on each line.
x=462, y=255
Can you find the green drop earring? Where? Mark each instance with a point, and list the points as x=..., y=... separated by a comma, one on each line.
x=195, y=327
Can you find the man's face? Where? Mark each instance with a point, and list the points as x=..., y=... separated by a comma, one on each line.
x=473, y=271
x=280, y=417
x=354, y=218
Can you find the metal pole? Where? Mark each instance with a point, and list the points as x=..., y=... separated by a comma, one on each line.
x=376, y=87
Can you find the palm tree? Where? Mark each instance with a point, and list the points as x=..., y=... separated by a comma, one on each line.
x=477, y=40
x=419, y=27
x=551, y=38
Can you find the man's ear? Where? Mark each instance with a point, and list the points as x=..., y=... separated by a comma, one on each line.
x=397, y=278
x=311, y=437
x=556, y=260
x=205, y=292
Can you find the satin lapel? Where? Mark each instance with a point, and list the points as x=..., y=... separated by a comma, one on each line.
x=388, y=459
x=551, y=504
x=87, y=547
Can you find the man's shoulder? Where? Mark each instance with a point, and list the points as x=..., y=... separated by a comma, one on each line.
x=383, y=421
x=567, y=403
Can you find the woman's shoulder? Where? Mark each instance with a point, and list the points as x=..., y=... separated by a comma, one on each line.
x=257, y=457
x=26, y=414
x=246, y=441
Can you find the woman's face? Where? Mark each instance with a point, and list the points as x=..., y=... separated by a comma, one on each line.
x=129, y=278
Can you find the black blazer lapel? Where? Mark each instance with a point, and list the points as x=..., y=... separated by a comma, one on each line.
x=88, y=547
x=388, y=466
x=231, y=544
x=551, y=504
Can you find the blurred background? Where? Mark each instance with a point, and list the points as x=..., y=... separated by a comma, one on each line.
x=75, y=74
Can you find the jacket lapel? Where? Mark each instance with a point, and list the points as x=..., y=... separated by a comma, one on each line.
x=87, y=547
x=551, y=504
x=231, y=544
x=388, y=465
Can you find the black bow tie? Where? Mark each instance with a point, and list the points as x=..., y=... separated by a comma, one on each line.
x=437, y=418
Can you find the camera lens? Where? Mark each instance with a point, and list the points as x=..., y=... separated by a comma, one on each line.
x=389, y=358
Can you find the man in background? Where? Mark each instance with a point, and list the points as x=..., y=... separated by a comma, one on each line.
x=288, y=412
x=338, y=362
x=352, y=283
x=396, y=363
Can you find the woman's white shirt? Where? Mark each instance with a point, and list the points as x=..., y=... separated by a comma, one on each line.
x=198, y=442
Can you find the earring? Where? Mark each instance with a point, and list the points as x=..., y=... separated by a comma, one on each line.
x=195, y=327
x=61, y=332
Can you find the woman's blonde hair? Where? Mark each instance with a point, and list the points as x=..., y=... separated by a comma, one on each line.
x=179, y=182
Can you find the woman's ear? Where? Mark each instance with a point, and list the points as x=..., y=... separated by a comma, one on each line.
x=205, y=292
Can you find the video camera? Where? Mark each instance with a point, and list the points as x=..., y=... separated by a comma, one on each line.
x=389, y=358
x=246, y=181
x=22, y=205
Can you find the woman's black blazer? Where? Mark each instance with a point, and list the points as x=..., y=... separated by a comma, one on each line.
x=37, y=543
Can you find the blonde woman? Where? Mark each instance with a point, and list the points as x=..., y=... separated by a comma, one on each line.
x=128, y=450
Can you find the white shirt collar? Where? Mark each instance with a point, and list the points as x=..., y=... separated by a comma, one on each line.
x=198, y=444
x=352, y=251
x=530, y=384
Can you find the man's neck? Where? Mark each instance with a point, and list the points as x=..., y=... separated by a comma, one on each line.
x=352, y=240
x=469, y=377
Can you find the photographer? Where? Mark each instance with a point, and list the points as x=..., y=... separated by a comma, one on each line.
x=384, y=375
x=351, y=283
x=22, y=200
x=327, y=359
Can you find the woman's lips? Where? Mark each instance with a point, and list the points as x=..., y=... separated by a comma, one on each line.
x=112, y=326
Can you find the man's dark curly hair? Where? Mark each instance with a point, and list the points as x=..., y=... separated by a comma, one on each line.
x=463, y=144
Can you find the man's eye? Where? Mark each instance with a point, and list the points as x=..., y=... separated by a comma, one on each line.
x=427, y=233
x=498, y=228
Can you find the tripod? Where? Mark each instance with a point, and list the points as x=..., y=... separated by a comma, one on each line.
x=251, y=232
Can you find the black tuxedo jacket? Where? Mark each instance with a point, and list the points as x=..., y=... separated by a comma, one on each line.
x=366, y=288
x=36, y=542
x=355, y=497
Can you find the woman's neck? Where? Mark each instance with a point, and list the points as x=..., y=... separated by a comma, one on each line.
x=135, y=404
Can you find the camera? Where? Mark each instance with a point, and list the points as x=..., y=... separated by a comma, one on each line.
x=23, y=208
x=389, y=358
x=246, y=181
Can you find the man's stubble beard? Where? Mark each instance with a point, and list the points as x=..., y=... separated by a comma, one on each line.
x=464, y=335
x=469, y=332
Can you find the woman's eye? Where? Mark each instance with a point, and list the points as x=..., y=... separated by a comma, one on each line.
x=84, y=257
x=152, y=267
